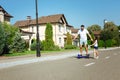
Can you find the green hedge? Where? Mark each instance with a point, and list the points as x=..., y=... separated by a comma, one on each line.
x=101, y=43
x=70, y=47
x=43, y=45
x=109, y=43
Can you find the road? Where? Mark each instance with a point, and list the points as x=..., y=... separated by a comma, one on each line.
x=107, y=67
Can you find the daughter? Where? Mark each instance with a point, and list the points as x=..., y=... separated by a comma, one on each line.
x=95, y=44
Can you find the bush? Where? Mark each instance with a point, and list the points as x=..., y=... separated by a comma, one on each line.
x=101, y=43
x=13, y=41
x=56, y=48
x=33, y=46
x=89, y=42
x=18, y=44
x=42, y=47
x=109, y=43
x=51, y=48
x=49, y=43
x=2, y=39
x=70, y=47
x=69, y=39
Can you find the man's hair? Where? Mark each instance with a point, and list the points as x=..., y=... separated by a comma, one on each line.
x=82, y=26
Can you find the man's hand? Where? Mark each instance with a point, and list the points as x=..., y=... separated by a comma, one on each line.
x=91, y=39
x=74, y=38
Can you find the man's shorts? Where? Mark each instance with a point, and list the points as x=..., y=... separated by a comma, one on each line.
x=83, y=42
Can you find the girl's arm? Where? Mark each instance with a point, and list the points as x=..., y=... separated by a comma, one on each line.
x=94, y=43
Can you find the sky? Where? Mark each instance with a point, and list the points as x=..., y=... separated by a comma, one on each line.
x=77, y=12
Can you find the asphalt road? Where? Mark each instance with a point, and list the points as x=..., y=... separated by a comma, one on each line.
x=107, y=67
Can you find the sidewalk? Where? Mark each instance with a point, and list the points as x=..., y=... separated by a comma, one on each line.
x=13, y=61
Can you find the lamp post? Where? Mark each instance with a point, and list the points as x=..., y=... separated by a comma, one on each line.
x=37, y=35
x=118, y=38
x=105, y=21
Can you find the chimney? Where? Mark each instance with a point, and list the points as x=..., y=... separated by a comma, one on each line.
x=28, y=17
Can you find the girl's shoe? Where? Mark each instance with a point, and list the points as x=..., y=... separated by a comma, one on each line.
x=97, y=57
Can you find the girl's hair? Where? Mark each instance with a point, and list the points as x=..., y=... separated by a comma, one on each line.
x=96, y=38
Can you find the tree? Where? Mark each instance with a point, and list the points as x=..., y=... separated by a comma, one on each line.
x=13, y=39
x=19, y=44
x=69, y=39
x=68, y=44
x=49, y=43
x=2, y=39
x=110, y=31
x=119, y=27
x=94, y=27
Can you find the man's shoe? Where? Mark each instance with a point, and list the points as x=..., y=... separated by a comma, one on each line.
x=87, y=55
x=79, y=56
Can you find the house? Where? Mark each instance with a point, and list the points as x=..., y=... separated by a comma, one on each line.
x=74, y=33
x=4, y=15
x=58, y=22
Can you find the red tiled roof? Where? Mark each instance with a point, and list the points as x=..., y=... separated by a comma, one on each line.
x=74, y=30
x=5, y=12
x=41, y=20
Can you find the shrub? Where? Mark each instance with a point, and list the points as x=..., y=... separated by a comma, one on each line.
x=49, y=43
x=13, y=40
x=2, y=39
x=109, y=43
x=33, y=46
x=70, y=47
x=69, y=39
x=89, y=42
x=101, y=43
x=18, y=44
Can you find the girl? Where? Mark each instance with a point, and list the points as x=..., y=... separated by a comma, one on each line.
x=95, y=44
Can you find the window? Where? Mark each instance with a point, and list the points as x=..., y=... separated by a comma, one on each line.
x=60, y=41
x=60, y=28
x=32, y=29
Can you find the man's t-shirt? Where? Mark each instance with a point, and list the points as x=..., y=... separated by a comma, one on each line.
x=83, y=34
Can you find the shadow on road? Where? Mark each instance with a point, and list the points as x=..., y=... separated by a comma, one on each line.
x=83, y=57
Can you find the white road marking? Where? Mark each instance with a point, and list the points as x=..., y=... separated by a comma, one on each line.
x=89, y=64
x=107, y=57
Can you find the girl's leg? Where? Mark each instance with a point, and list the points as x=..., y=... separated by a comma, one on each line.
x=97, y=53
x=94, y=53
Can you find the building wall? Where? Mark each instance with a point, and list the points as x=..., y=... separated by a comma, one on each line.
x=1, y=16
x=59, y=31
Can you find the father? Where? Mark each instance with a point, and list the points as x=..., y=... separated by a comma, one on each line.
x=83, y=39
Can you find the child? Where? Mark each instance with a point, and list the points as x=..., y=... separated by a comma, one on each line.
x=95, y=44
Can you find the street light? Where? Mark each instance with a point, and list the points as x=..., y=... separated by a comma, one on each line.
x=37, y=35
x=104, y=36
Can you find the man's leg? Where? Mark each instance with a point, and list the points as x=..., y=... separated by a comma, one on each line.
x=86, y=48
x=80, y=49
x=81, y=43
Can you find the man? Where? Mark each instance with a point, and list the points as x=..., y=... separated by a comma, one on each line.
x=83, y=40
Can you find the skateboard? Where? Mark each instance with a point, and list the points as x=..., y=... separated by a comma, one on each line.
x=78, y=56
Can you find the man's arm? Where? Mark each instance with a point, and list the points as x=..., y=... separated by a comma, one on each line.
x=75, y=36
x=90, y=37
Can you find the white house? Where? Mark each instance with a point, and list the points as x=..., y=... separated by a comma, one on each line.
x=59, y=24
x=4, y=15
